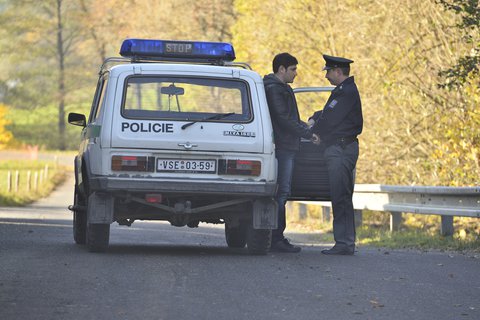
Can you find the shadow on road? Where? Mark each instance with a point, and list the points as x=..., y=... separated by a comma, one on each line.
x=144, y=239
x=174, y=250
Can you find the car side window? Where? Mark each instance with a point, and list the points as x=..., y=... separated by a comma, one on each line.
x=310, y=100
x=99, y=99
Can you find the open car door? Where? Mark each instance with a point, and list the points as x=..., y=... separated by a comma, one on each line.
x=310, y=177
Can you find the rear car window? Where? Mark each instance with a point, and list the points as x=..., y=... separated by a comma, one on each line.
x=181, y=98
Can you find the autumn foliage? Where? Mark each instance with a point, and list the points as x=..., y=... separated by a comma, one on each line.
x=416, y=131
x=5, y=135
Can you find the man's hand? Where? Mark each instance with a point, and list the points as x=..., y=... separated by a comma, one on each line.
x=316, y=139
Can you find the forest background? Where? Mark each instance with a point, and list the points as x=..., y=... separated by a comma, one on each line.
x=416, y=66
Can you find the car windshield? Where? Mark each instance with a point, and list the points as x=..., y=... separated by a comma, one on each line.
x=189, y=99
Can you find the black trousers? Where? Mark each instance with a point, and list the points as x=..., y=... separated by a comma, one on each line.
x=341, y=162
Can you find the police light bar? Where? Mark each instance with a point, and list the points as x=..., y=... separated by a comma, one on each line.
x=176, y=50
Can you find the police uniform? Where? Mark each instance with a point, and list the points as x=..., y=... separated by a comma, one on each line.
x=338, y=125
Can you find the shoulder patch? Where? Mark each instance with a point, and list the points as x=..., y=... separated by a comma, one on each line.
x=332, y=104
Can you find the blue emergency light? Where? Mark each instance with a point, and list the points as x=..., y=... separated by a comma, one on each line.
x=176, y=50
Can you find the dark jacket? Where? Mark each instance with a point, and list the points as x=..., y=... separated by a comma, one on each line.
x=342, y=115
x=287, y=126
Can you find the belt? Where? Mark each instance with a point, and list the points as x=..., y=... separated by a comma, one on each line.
x=343, y=142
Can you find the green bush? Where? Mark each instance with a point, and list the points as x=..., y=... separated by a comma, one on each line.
x=40, y=127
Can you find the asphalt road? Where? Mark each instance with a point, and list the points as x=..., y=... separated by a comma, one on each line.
x=155, y=271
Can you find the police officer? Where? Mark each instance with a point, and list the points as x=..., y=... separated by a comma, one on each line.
x=338, y=125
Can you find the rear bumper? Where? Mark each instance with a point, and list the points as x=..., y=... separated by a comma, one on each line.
x=115, y=184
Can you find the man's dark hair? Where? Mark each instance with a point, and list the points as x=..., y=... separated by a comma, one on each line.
x=283, y=59
x=345, y=71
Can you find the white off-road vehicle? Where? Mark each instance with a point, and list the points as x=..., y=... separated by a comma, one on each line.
x=179, y=132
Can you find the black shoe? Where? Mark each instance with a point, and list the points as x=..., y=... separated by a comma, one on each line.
x=284, y=246
x=339, y=251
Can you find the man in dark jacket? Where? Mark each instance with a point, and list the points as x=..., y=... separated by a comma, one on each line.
x=338, y=125
x=287, y=129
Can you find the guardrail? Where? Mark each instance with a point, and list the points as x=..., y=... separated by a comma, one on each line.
x=444, y=201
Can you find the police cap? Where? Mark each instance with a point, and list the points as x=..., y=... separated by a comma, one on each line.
x=335, y=62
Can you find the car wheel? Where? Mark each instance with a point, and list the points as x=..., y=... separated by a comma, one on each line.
x=258, y=240
x=236, y=237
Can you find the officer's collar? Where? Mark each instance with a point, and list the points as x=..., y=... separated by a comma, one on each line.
x=348, y=80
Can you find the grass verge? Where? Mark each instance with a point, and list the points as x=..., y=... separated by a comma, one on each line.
x=49, y=175
x=414, y=238
x=419, y=232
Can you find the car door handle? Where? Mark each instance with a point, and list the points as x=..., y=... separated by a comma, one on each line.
x=187, y=145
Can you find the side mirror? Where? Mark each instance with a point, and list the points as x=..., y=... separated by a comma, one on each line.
x=77, y=119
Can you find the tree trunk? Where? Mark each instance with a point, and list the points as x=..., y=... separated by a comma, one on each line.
x=61, y=78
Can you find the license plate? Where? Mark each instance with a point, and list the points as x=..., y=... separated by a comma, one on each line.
x=188, y=166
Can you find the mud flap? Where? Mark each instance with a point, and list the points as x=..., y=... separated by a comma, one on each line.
x=265, y=212
x=100, y=208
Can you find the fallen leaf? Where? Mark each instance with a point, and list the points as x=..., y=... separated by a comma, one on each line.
x=376, y=304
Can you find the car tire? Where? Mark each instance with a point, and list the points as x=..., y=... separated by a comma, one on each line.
x=236, y=237
x=258, y=240
x=98, y=236
x=79, y=218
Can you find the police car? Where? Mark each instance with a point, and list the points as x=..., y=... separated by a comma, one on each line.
x=177, y=132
